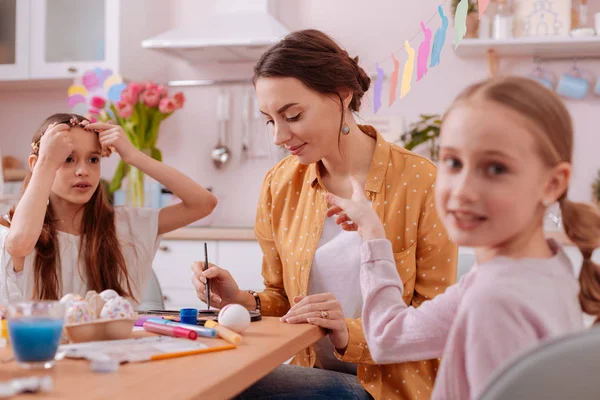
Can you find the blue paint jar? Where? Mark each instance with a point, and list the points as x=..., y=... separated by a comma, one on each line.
x=188, y=316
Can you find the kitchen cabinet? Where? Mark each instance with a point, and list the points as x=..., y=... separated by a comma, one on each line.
x=242, y=258
x=14, y=39
x=57, y=39
x=175, y=257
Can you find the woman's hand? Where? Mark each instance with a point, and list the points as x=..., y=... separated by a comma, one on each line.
x=322, y=310
x=223, y=288
x=56, y=145
x=113, y=137
x=356, y=213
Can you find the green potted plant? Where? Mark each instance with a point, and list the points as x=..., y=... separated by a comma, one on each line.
x=427, y=129
x=596, y=189
x=472, y=17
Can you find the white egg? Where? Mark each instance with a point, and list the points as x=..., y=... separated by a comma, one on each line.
x=108, y=294
x=78, y=312
x=116, y=308
x=235, y=317
x=70, y=298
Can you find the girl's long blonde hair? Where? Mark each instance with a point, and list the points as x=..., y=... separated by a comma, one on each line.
x=554, y=134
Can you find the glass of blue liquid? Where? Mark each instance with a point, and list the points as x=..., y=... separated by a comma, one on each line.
x=35, y=328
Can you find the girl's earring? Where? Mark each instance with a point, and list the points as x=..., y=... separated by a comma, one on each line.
x=345, y=127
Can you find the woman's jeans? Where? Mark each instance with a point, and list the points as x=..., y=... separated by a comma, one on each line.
x=293, y=382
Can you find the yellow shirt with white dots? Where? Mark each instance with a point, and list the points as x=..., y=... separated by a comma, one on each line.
x=290, y=217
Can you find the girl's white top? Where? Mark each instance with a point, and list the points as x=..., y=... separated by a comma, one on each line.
x=137, y=232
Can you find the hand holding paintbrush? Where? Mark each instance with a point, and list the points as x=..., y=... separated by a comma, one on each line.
x=216, y=287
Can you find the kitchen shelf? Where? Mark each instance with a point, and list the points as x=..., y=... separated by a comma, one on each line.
x=14, y=175
x=541, y=48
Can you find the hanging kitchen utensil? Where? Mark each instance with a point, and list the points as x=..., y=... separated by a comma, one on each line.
x=221, y=153
x=246, y=111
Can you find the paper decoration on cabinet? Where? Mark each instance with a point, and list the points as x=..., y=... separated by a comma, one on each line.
x=94, y=83
x=394, y=80
x=378, y=87
x=460, y=22
x=542, y=17
x=408, y=69
x=439, y=39
x=423, y=52
x=482, y=5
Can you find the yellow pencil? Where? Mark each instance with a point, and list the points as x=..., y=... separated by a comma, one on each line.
x=191, y=352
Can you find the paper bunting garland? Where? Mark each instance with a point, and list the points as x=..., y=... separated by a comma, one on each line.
x=409, y=66
x=378, y=87
x=482, y=6
x=94, y=83
x=439, y=40
x=423, y=52
x=394, y=81
x=429, y=51
x=460, y=22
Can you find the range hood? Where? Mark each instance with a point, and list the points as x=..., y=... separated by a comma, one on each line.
x=239, y=31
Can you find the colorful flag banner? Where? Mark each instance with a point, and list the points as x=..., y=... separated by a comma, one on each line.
x=409, y=66
x=394, y=80
x=439, y=39
x=423, y=52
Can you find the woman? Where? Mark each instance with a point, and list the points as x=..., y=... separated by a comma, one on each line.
x=308, y=89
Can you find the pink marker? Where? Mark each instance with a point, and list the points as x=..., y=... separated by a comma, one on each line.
x=168, y=330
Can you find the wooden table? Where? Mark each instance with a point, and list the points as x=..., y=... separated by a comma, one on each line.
x=220, y=375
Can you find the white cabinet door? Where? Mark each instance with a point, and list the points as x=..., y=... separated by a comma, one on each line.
x=69, y=37
x=14, y=39
x=243, y=260
x=172, y=267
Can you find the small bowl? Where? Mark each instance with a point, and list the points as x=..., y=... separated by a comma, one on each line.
x=100, y=329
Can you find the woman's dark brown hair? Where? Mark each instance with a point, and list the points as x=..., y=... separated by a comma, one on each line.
x=318, y=62
x=104, y=263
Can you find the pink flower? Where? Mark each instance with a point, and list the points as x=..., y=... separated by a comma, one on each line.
x=151, y=97
x=136, y=88
x=162, y=89
x=179, y=99
x=150, y=85
x=92, y=112
x=92, y=120
x=124, y=109
x=98, y=102
x=129, y=96
x=167, y=106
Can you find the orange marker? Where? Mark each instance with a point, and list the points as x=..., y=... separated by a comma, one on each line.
x=225, y=333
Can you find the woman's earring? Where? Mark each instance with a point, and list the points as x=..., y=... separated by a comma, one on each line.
x=546, y=203
x=345, y=127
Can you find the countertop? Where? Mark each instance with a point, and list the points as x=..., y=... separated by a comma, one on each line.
x=208, y=233
x=240, y=233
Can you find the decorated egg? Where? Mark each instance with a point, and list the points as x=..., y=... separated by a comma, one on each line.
x=108, y=294
x=78, y=312
x=70, y=298
x=95, y=302
x=117, y=307
x=234, y=317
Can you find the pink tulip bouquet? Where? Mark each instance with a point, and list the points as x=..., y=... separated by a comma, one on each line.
x=141, y=110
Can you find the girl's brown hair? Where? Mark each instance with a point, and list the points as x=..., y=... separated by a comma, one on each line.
x=104, y=263
x=553, y=130
x=318, y=62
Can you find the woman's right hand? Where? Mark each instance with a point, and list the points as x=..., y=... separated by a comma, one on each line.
x=223, y=288
x=56, y=145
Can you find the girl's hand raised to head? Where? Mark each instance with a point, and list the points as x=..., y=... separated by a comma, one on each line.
x=113, y=137
x=55, y=146
x=356, y=213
